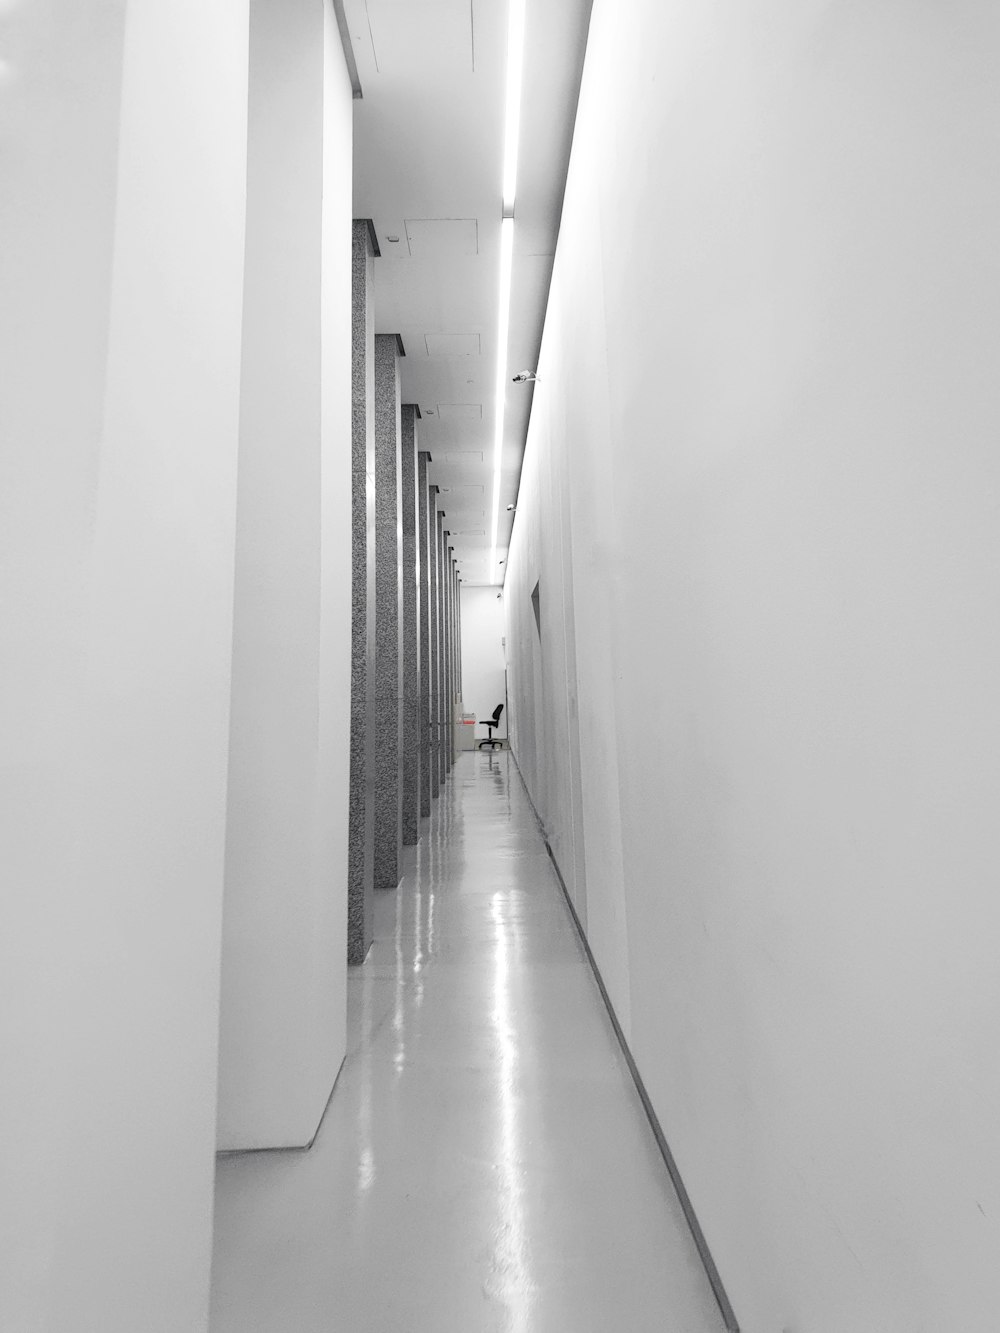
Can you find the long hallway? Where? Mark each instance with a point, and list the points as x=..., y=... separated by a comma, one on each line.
x=484, y=1163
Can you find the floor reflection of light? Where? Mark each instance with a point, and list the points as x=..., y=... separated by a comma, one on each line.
x=418, y=943
x=432, y=883
x=398, y=1020
x=510, y=1262
x=366, y=1170
x=366, y=1161
x=418, y=952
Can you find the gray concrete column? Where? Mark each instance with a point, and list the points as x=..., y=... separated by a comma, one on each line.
x=388, y=616
x=434, y=638
x=456, y=691
x=446, y=738
x=458, y=637
x=449, y=670
x=440, y=683
x=361, y=806
x=410, y=627
x=423, y=629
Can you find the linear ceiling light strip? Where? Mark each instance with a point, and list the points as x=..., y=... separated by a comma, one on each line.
x=512, y=112
x=503, y=329
x=512, y=129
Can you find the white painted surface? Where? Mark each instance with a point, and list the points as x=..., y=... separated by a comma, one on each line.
x=284, y=950
x=483, y=668
x=333, y=783
x=120, y=316
x=767, y=415
x=485, y=1165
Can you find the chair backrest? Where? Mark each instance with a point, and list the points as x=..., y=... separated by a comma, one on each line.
x=496, y=714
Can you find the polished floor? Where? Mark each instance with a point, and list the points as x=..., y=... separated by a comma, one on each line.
x=484, y=1165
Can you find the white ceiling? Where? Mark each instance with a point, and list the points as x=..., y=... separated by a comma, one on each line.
x=428, y=166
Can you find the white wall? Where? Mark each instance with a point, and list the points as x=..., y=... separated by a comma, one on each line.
x=760, y=496
x=284, y=946
x=122, y=211
x=483, y=669
x=333, y=774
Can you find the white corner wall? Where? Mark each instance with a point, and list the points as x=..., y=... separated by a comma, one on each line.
x=760, y=502
x=484, y=682
x=336, y=569
x=122, y=209
x=284, y=960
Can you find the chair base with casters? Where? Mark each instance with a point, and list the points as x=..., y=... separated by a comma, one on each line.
x=492, y=723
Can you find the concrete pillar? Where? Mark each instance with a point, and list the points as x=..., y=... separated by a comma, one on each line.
x=282, y=1033
x=434, y=633
x=435, y=541
x=452, y=682
x=410, y=413
x=424, y=632
x=446, y=737
x=388, y=616
x=442, y=648
x=361, y=806
x=458, y=634
x=455, y=689
x=454, y=630
x=458, y=631
x=123, y=210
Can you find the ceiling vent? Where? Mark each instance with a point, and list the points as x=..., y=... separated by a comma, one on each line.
x=453, y=344
x=442, y=238
x=460, y=411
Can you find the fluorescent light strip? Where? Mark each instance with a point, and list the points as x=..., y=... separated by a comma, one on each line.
x=512, y=116
x=503, y=329
x=512, y=132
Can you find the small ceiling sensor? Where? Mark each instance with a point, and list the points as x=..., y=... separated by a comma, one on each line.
x=393, y=239
x=511, y=508
x=524, y=377
x=428, y=411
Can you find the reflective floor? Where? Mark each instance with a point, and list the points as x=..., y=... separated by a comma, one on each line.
x=485, y=1163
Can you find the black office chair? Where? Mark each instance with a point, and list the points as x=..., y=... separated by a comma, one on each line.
x=493, y=722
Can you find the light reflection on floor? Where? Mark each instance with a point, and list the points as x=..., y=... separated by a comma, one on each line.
x=484, y=1164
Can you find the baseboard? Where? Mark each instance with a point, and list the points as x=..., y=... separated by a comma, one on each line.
x=705, y=1254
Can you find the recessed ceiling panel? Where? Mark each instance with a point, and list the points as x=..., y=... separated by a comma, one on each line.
x=453, y=344
x=438, y=30
x=460, y=411
x=442, y=238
